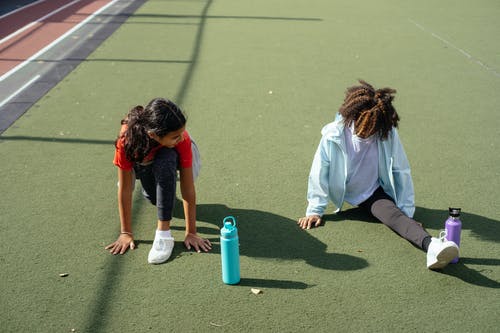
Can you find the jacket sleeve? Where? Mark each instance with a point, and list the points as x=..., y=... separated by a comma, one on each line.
x=403, y=184
x=318, y=185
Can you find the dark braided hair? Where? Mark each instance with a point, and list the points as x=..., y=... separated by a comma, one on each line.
x=370, y=110
x=161, y=116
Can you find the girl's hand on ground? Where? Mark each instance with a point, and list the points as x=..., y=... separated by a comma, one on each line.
x=197, y=243
x=121, y=245
x=309, y=221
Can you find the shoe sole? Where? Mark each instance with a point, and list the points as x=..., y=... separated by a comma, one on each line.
x=444, y=258
x=160, y=260
x=155, y=262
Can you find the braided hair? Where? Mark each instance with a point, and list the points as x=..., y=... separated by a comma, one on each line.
x=161, y=116
x=370, y=110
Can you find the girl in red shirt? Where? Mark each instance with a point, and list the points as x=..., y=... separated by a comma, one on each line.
x=153, y=144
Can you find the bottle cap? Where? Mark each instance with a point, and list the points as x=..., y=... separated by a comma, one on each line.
x=229, y=228
x=454, y=212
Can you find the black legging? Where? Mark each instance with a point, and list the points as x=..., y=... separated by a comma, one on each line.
x=382, y=206
x=158, y=181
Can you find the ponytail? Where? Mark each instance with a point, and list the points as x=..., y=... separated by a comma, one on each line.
x=137, y=143
x=370, y=110
x=159, y=117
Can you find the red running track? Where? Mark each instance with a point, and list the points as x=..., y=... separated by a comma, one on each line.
x=27, y=31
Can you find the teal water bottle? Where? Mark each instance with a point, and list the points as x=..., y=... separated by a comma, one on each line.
x=230, y=252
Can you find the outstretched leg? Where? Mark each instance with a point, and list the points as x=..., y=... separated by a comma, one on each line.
x=382, y=206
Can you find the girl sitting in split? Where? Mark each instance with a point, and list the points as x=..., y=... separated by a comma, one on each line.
x=360, y=160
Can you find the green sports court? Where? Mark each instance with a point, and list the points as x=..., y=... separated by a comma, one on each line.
x=258, y=80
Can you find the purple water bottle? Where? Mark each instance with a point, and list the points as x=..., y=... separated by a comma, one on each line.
x=453, y=227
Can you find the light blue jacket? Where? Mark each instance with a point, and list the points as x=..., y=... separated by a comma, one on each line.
x=327, y=179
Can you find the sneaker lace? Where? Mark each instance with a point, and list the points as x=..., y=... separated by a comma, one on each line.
x=442, y=235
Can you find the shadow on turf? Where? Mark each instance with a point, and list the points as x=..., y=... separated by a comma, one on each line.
x=483, y=228
x=276, y=284
x=467, y=274
x=179, y=251
x=267, y=235
x=56, y=140
x=220, y=17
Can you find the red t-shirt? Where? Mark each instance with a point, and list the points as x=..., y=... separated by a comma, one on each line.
x=183, y=148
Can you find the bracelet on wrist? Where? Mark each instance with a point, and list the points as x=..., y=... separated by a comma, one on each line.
x=126, y=233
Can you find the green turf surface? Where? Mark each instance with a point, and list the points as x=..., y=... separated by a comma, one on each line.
x=221, y=60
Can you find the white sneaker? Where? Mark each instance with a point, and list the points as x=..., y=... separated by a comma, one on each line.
x=441, y=252
x=161, y=250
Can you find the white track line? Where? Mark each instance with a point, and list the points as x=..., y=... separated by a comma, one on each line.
x=37, y=21
x=5, y=101
x=27, y=26
x=19, y=9
x=46, y=48
x=463, y=52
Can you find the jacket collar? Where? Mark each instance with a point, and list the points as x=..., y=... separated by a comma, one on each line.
x=334, y=130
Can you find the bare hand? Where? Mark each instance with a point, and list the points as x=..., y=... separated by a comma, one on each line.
x=197, y=243
x=309, y=221
x=121, y=245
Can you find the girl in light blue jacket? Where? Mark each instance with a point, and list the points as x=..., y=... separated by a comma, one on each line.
x=360, y=160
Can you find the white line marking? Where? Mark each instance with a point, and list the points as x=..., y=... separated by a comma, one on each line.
x=46, y=48
x=465, y=53
x=15, y=33
x=37, y=21
x=21, y=8
x=5, y=101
